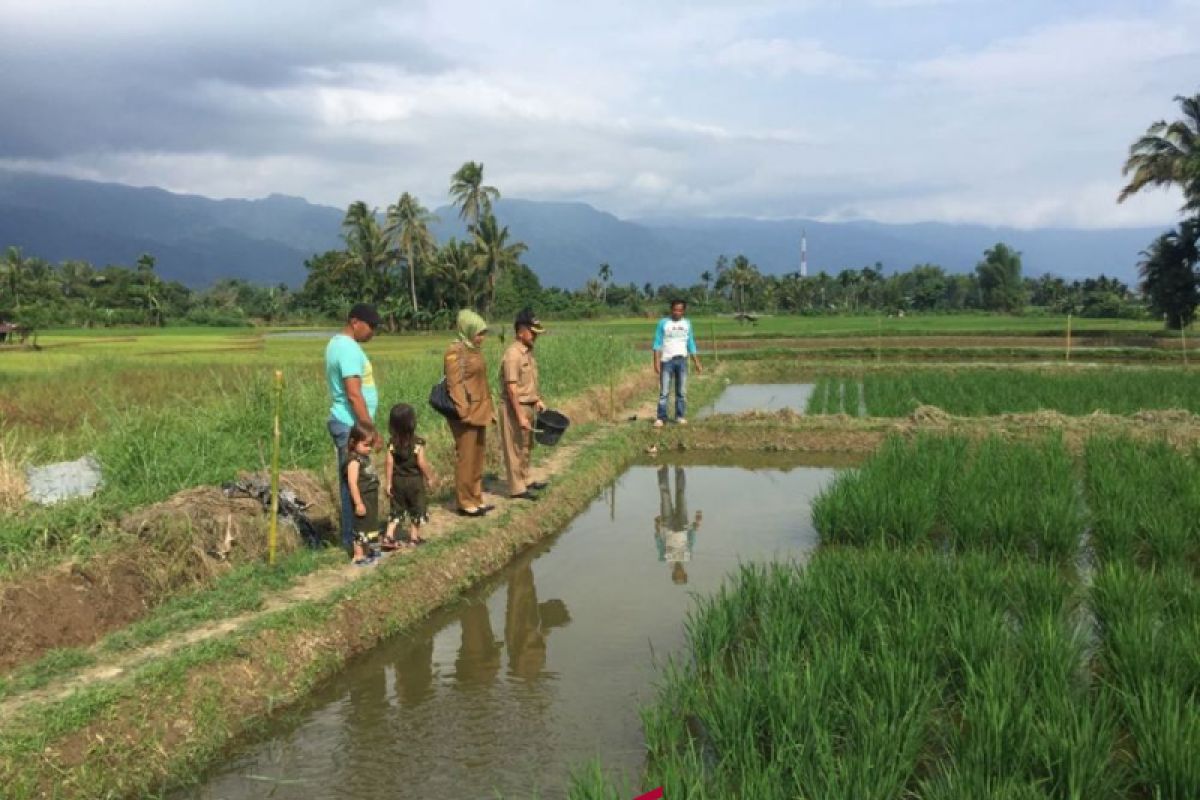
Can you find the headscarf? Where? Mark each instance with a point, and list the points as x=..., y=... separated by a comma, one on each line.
x=470, y=325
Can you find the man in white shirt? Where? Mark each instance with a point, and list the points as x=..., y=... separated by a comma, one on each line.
x=674, y=342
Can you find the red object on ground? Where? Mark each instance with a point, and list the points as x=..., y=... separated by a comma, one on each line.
x=653, y=794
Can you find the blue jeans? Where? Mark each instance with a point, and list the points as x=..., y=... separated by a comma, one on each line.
x=678, y=368
x=340, y=432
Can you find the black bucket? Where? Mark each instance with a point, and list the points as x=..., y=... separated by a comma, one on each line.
x=549, y=427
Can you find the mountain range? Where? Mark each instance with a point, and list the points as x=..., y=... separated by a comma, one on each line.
x=197, y=240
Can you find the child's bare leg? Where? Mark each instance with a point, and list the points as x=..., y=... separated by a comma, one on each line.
x=414, y=533
x=358, y=550
x=389, y=536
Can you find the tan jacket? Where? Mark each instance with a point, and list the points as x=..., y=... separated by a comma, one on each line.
x=467, y=384
x=520, y=367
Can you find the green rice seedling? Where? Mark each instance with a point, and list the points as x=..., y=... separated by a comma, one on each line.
x=882, y=674
x=1014, y=497
x=987, y=392
x=893, y=498
x=1150, y=657
x=1144, y=500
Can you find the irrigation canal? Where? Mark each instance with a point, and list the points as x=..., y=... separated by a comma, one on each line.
x=741, y=397
x=544, y=666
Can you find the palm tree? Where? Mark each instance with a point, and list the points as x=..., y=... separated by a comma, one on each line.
x=474, y=200
x=1168, y=155
x=1168, y=272
x=407, y=230
x=366, y=246
x=13, y=267
x=457, y=273
x=493, y=252
x=605, y=279
x=706, y=278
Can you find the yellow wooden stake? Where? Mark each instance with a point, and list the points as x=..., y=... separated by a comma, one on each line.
x=1183, y=341
x=273, y=529
x=1068, y=338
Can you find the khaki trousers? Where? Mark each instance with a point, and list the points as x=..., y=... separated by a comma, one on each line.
x=470, y=443
x=517, y=445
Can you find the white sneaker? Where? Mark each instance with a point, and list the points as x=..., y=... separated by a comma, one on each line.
x=681, y=421
x=658, y=423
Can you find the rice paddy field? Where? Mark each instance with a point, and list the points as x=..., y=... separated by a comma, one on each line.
x=988, y=614
x=989, y=392
x=166, y=412
x=985, y=619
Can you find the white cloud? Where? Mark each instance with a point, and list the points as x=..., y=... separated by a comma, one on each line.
x=782, y=57
x=1062, y=56
x=637, y=108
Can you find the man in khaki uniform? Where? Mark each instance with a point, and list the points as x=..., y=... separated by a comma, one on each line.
x=522, y=401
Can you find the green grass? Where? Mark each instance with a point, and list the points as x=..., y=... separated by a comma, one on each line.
x=874, y=674
x=202, y=423
x=875, y=325
x=946, y=492
x=992, y=392
x=1145, y=502
x=1150, y=656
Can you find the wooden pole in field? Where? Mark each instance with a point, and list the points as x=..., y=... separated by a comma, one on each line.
x=1183, y=342
x=879, y=339
x=712, y=332
x=273, y=525
x=1068, y=337
x=612, y=394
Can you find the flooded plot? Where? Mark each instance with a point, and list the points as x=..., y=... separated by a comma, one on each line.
x=544, y=666
x=741, y=397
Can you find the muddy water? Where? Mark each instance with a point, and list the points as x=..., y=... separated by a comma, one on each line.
x=544, y=666
x=741, y=397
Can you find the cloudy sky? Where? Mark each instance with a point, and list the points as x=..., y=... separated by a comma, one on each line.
x=1016, y=112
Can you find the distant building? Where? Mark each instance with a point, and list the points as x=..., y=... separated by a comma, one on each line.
x=8, y=331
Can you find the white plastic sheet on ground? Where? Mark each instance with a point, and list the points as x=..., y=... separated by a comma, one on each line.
x=53, y=483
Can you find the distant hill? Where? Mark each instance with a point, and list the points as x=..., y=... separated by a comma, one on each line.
x=197, y=240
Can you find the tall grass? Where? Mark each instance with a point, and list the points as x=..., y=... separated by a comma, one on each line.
x=1150, y=656
x=987, y=392
x=944, y=491
x=220, y=426
x=874, y=674
x=1145, y=502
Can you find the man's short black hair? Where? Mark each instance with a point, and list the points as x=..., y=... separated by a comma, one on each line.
x=678, y=301
x=365, y=312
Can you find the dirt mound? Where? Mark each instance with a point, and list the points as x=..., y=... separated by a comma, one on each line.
x=179, y=544
x=1041, y=418
x=1166, y=415
x=206, y=529
x=929, y=415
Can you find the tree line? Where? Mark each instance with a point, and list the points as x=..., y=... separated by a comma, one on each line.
x=394, y=260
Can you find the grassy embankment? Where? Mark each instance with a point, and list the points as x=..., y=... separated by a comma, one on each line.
x=185, y=420
x=943, y=643
x=163, y=415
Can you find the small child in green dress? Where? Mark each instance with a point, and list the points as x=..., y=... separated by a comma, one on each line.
x=364, y=494
x=408, y=475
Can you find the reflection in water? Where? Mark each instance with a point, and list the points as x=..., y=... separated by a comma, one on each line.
x=478, y=660
x=674, y=533
x=414, y=671
x=527, y=623
x=504, y=692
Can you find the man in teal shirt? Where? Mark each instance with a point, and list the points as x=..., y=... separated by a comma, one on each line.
x=351, y=381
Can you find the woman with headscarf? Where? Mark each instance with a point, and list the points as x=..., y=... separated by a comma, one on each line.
x=467, y=385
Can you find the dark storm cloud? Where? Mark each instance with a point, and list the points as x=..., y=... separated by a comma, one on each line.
x=176, y=93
